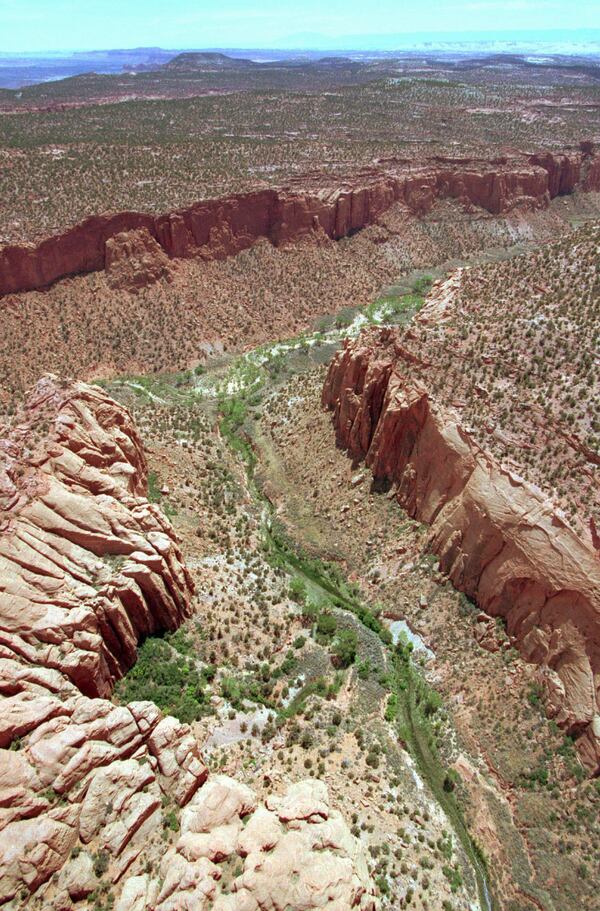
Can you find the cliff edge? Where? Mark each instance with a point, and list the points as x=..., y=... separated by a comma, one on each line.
x=498, y=538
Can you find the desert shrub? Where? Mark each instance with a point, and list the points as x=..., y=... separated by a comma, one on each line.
x=166, y=677
x=344, y=647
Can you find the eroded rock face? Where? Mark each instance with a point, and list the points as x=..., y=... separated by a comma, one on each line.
x=89, y=790
x=134, y=259
x=88, y=566
x=309, y=207
x=295, y=852
x=498, y=538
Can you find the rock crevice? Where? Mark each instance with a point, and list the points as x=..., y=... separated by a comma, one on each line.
x=498, y=538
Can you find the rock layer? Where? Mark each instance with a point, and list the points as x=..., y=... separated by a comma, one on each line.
x=88, y=566
x=90, y=790
x=499, y=540
x=222, y=227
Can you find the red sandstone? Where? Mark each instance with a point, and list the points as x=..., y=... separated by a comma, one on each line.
x=218, y=228
x=499, y=540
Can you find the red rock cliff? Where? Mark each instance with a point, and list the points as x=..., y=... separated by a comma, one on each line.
x=88, y=566
x=222, y=227
x=498, y=539
x=88, y=788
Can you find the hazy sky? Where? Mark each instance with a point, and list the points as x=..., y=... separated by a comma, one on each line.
x=86, y=24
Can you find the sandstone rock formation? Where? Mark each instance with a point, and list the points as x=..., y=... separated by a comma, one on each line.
x=89, y=790
x=294, y=852
x=134, y=259
x=222, y=227
x=88, y=566
x=499, y=540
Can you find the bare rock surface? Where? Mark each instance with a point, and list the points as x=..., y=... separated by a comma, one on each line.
x=498, y=538
x=90, y=790
x=301, y=856
x=309, y=207
x=88, y=565
x=134, y=259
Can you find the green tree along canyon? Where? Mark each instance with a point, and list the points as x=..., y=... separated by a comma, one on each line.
x=300, y=512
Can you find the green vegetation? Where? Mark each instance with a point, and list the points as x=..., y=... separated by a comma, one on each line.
x=326, y=627
x=394, y=307
x=316, y=687
x=321, y=589
x=101, y=861
x=454, y=876
x=423, y=284
x=412, y=702
x=297, y=590
x=344, y=318
x=391, y=709
x=233, y=411
x=534, y=695
x=239, y=690
x=165, y=674
x=345, y=646
x=155, y=494
x=154, y=488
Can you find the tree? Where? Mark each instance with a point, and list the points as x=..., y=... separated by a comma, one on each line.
x=325, y=627
x=344, y=647
x=297, y=590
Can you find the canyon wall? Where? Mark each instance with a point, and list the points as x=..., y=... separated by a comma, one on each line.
x=100, y=799
x=223, y=227
x=498, y=539
x=88, y=566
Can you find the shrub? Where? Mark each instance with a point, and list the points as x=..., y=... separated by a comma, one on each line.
x=297, y=590
x=451, y=779
x=423, y=284
x=344, y=647
x=391, y=709
x=101, y=861
x=326, y=627
x=167, y=678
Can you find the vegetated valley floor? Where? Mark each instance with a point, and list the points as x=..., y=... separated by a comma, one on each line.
x=325, y=640
x=303, y=572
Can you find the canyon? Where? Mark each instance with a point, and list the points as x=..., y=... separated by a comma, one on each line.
x=89, y=566
x=310, y=206
x=498, y=539
x=299, y=500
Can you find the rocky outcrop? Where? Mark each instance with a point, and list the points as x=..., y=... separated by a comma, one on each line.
x=88, y=566
x=310, y=206
x=83, y=784
x=498, y=539
x=134, y=259
x=295, y=851
x=91, y=792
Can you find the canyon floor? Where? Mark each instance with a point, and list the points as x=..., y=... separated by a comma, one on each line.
x=463, y=787
x=341, y=719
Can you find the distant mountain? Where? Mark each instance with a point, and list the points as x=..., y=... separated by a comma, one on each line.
x=18, y=70
x=202, y=60
x=564, y=41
